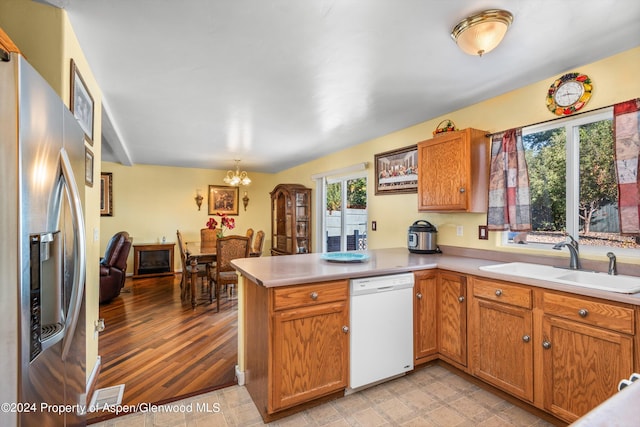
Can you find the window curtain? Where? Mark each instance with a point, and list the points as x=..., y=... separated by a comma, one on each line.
x=509, y=200
x=626, y=128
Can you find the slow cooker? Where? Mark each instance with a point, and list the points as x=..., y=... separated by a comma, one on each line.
x=422, y=238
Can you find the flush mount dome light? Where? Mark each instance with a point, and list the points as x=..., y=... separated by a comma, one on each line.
x=481, y=33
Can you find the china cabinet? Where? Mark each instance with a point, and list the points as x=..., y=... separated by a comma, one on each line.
x=290, y=219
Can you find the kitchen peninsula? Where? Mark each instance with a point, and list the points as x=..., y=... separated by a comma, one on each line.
x=293, y=329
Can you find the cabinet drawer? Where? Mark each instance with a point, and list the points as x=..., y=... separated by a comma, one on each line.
x=602, y=314
x=314, y=293
x=502, y=292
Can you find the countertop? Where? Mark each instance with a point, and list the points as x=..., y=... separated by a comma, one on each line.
x=308, y=268
x=621, y=409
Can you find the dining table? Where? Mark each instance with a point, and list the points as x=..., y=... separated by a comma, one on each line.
x=197, y=254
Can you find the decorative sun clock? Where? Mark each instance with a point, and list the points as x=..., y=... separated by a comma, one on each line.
x=569, y=94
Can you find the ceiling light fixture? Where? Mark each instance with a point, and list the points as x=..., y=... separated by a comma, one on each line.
x=237, y=178
x=481, y=33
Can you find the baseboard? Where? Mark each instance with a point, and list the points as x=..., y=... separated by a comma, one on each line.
x=239, y=375
x=93, y=378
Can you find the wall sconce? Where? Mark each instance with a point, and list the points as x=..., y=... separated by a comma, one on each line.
x=483, y=32
x=245, y=200
x=199, y=198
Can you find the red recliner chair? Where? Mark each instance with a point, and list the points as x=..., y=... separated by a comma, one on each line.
x=113, y=267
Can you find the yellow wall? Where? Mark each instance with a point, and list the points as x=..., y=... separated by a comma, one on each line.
x=150, y=202
x=615, y=80
x=45, y=37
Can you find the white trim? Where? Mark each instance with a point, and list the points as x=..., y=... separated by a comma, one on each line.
x=334, y=172
x=94, y=373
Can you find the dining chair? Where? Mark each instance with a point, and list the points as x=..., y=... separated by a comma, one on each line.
x=223, y=274
x=258, y=243
x=208, y=237
x=187, y=269
x=249, y=234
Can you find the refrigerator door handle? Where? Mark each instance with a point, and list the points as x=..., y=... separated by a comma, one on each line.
x=80, y=246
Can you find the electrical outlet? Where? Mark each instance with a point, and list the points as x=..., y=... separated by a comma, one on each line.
x=459, y=230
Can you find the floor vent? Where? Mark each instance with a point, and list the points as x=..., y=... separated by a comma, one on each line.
x=110, y=396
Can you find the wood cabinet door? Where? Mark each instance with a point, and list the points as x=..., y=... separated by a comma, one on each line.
x=425, y=341
x=310, y=353
x=500, y=338
x=452, y=317
x=582, y=366
x=444, y=169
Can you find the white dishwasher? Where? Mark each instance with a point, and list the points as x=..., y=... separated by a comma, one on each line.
x=381, y=337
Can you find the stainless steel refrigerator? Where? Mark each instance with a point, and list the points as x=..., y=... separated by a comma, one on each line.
x=42, y=253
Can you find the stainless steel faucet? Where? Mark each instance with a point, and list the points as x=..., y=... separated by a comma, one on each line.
x=574, y=252
x=613, y=269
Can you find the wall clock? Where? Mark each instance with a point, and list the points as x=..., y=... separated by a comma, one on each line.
x=569, y=94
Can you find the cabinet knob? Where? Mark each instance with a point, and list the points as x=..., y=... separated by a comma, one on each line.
x=419, y=295
x=314, y=295
x=462, y=190
x=345, y=329
x=461, y=298
x=583, y=312
x=498, y=292
x=546, y=345
x=526, y=338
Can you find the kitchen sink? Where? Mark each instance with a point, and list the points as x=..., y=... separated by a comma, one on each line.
x=583, y=278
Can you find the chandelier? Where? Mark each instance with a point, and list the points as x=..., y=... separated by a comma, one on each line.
x=481, y=33
x=237, y=178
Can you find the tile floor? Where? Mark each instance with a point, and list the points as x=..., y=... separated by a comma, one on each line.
x=431, y=396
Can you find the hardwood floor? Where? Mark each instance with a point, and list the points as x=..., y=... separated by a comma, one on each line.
x=161, y=348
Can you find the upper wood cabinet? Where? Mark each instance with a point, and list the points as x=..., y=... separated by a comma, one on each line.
x=290, y=219
x=453, y=172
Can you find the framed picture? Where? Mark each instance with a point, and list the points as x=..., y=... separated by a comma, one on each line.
x=81, y=104
x=88, y=167
x=106, y=194
x=397, y=171
x=223, y=199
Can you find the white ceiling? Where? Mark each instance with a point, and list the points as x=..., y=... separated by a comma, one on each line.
x=275, y=83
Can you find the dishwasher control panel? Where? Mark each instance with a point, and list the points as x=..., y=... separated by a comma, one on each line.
x=381, y=283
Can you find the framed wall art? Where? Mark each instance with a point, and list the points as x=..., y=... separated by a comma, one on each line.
x=397, y=171
x=88, y=167
x=81, y=104
x=106, y=194
x=223, y=199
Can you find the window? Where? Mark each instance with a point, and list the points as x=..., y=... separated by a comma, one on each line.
x=344, y=219
x=573, y=184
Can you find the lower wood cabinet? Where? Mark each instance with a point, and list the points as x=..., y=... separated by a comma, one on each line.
x=575, y=348
x=425, y=325
x=587, y=348
x=500, y=336
x=310, y=352
x=452, y=318
x=297, y=343
x=560, y=352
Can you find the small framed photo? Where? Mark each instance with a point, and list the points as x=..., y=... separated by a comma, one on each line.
x=106, y=194
x=397, y=171
x=88, y=167
x=81, y=104
x=223, y=199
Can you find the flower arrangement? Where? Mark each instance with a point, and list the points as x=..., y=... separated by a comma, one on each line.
x=225, y=222
x=445, y=126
